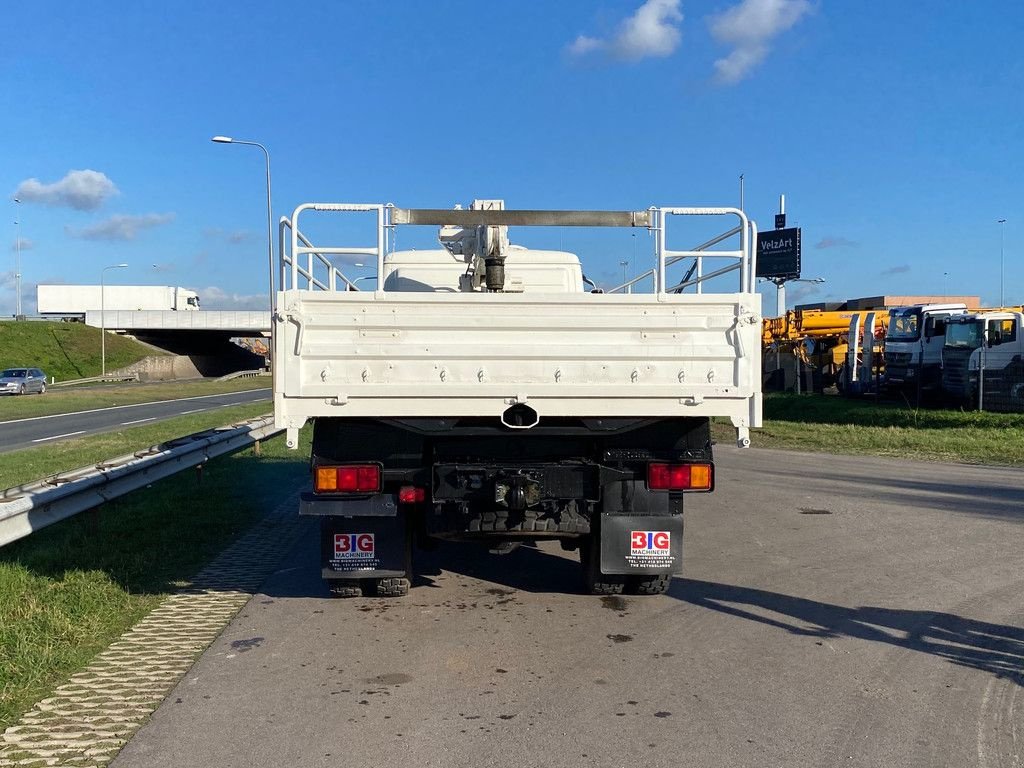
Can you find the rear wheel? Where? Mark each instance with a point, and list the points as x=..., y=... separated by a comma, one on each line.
x=345, y=588
x=393, y=587
x=648, y=585
x=595, y=582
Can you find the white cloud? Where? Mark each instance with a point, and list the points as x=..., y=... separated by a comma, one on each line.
x=26, y=245
x=835, y=242
x=652, y=31
x=121, y=226
x=900, y=269
x=82, y=190
x=235, y=237
x=749, y=28
x=583, y=45
x=213, y=297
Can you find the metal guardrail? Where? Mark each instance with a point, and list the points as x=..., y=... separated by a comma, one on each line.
x=91, y=379
x=30, y=507
x=244, y=374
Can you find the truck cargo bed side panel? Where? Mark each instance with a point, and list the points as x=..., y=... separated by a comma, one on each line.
x=394, y=355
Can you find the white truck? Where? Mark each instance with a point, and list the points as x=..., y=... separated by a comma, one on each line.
x=72, y=300
x=983, y=359
x=481, y=393
x=913, y=345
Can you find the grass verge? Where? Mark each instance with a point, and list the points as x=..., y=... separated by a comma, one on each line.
x=107, y=396
x=65, y=350
x=68, y=591
x=31, y=464
x=816, y=423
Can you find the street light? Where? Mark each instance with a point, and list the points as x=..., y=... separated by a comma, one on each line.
x=270, y=210
x=780, y=292
x=17, y=267
x=103, y=319
x=1002, y=241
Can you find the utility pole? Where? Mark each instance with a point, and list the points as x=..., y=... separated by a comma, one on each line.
x=17, y=266
x=1002, y=242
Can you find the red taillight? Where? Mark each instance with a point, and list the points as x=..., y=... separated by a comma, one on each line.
x=360, y=478
x=680, y=477
x=409, y=494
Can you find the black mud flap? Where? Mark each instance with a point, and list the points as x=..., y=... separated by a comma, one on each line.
x=642, y=545
x=364, y=547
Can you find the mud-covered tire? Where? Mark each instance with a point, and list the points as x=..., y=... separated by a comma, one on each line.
x=595, y=582
x=648, y=585
x=394, y=587
x=345, y=588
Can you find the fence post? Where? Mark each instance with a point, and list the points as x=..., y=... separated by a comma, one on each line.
x=981, y=377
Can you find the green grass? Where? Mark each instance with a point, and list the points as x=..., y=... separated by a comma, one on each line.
x=818, y=423
x=68, y=591
x=58, y=400
x=65, y=350
x=30, y=464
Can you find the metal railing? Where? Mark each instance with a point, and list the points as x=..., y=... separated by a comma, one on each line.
x=27, y=508
x=306, y=266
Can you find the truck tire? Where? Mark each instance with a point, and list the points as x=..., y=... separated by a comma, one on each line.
x=393, y=587
x=345, y=588
x=648, y=585
x=595, y=582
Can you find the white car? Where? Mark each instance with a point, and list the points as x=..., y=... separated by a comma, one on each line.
x=21, y=381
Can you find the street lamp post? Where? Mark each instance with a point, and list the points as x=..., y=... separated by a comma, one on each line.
x=103, y=318
x=17, y=267
x=1002, y=242
x=270, y=211
x=780, y=294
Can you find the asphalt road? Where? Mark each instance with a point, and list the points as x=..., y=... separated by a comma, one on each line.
x=836, y=611
x=27, y=433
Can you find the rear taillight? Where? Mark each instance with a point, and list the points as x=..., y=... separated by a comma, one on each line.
x=354, y=478
x=409, y=494
x=680, y=477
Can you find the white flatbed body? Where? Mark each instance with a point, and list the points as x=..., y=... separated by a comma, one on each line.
x=419, y=346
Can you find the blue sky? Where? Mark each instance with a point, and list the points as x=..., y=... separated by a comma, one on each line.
x=894, y=129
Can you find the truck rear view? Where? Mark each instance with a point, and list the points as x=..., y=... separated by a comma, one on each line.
x=482, y=393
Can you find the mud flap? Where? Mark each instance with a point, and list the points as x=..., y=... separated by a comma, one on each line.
x=642, y=545
x=364, y=547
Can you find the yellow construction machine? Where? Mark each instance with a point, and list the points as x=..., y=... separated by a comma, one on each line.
x=818, y=341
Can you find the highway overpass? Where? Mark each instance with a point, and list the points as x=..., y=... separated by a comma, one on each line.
x=163, y=322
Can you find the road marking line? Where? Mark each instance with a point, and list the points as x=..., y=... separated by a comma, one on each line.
x=197, y=410
x=57, y=437
x=137, y=421
x=138, y=405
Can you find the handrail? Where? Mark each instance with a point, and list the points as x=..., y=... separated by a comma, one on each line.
x=654, y=219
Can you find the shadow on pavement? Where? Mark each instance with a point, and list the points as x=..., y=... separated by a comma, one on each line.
x=526, y=568
x=994, y=648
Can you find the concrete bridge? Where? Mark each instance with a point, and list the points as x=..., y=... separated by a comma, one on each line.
x=166, y=322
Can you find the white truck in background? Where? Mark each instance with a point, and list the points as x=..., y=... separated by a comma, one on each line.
x=73, y=300
x=983, y=359
x=481, y=393
x=913, y=345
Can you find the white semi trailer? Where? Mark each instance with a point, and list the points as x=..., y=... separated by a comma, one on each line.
x=481, y=393
x=72, y=300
